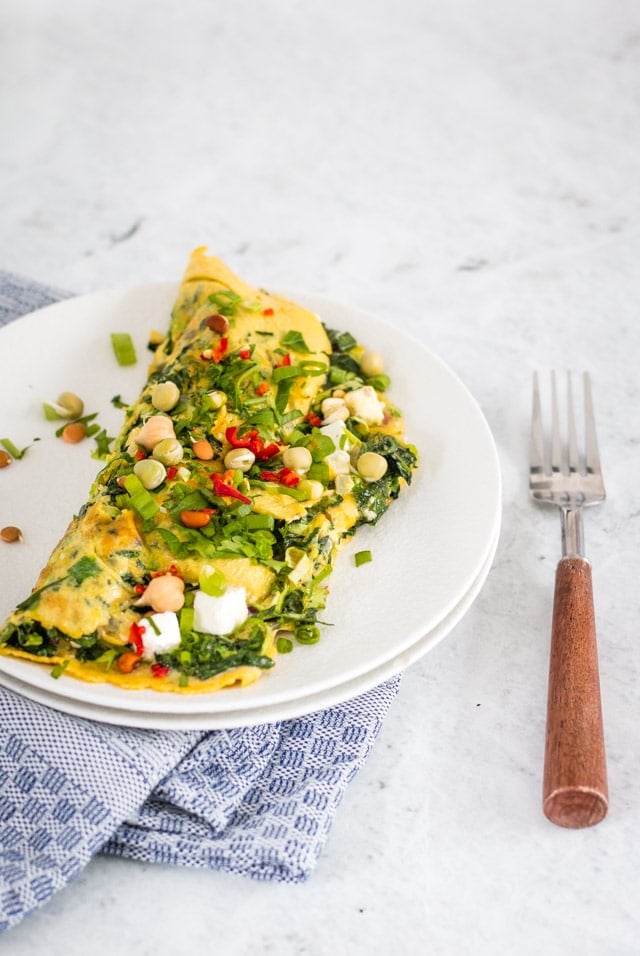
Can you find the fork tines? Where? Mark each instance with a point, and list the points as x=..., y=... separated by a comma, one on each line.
x=564, y=457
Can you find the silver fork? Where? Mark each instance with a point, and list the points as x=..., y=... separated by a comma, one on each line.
x=575, y=792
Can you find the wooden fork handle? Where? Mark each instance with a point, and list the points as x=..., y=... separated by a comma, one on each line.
x=575, y=792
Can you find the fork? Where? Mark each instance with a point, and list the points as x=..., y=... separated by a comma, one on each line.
x=575, y=792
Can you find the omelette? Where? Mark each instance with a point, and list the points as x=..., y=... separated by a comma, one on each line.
x=259, y=444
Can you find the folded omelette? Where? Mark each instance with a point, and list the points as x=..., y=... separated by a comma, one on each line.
x=260, y=442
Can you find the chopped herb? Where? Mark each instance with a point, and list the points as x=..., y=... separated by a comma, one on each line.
x=83, y=569
x=295, y=341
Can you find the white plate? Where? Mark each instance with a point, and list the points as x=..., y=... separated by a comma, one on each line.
x=429, y=551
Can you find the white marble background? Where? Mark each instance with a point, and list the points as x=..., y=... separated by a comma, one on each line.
x=468, y=170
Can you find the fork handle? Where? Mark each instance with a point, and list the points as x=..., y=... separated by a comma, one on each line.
x=575, y=792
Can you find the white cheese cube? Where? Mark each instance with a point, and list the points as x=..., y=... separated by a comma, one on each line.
x=338, y=461
x=167, y=636
x=363, y=403
x=220, y=615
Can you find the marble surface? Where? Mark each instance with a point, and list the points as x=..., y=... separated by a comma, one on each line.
x=470, y=172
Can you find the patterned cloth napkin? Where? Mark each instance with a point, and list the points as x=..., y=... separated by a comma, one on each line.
x=258, y=801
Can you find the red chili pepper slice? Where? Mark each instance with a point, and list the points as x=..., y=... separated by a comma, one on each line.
x=267, y=311
x=313, y=419
x=172, y=471
x=227, y=491
x=286, y=360
x=245, y=353
x=135, y=637
x=267, y=451
x=285, y=477
x=160, y=670
x=250, y=440
x=253, y=442
x=262, y=388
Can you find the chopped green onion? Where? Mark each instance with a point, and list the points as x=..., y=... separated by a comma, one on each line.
x=380, y=382
x=154, y=626
x=107, y=658
x=186, y=620
x=59, y=669
x=51, y=413
x=307, y=634
x=213, y=582
x=141, y=501
x=362, y=557
x=8, y=445
x=123, y=348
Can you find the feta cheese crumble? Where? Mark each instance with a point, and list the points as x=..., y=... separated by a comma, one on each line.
x=220, y=615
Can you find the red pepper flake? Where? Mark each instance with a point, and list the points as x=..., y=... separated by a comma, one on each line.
x=262, y=388
x=267, y=312
x=245, y=353
x=160, y=670
x=285, y=477
x=286, y=360
x=216, y=354
x=140, y=455
x=313, y=419
x=136, y=632
x=269, y=451
x=227, y=491
x=139, y=589
x=172, y=569
x=172, y=472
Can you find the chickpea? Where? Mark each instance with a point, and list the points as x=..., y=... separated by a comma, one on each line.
x=371, y=363
x=165, y=396
x=239, y=459
x=5, y=459
x=371, y=466
x=10, y=534
x=297, y=458
x=70, y=404
x=312, y=490
x=151, y=472
x=169, y=452
x=154, y=430
x=164, y=593
x=203, y=449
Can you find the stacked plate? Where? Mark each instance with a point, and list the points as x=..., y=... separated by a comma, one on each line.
x=431, y=552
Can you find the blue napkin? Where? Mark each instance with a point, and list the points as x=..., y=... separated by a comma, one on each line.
x=257, y=801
